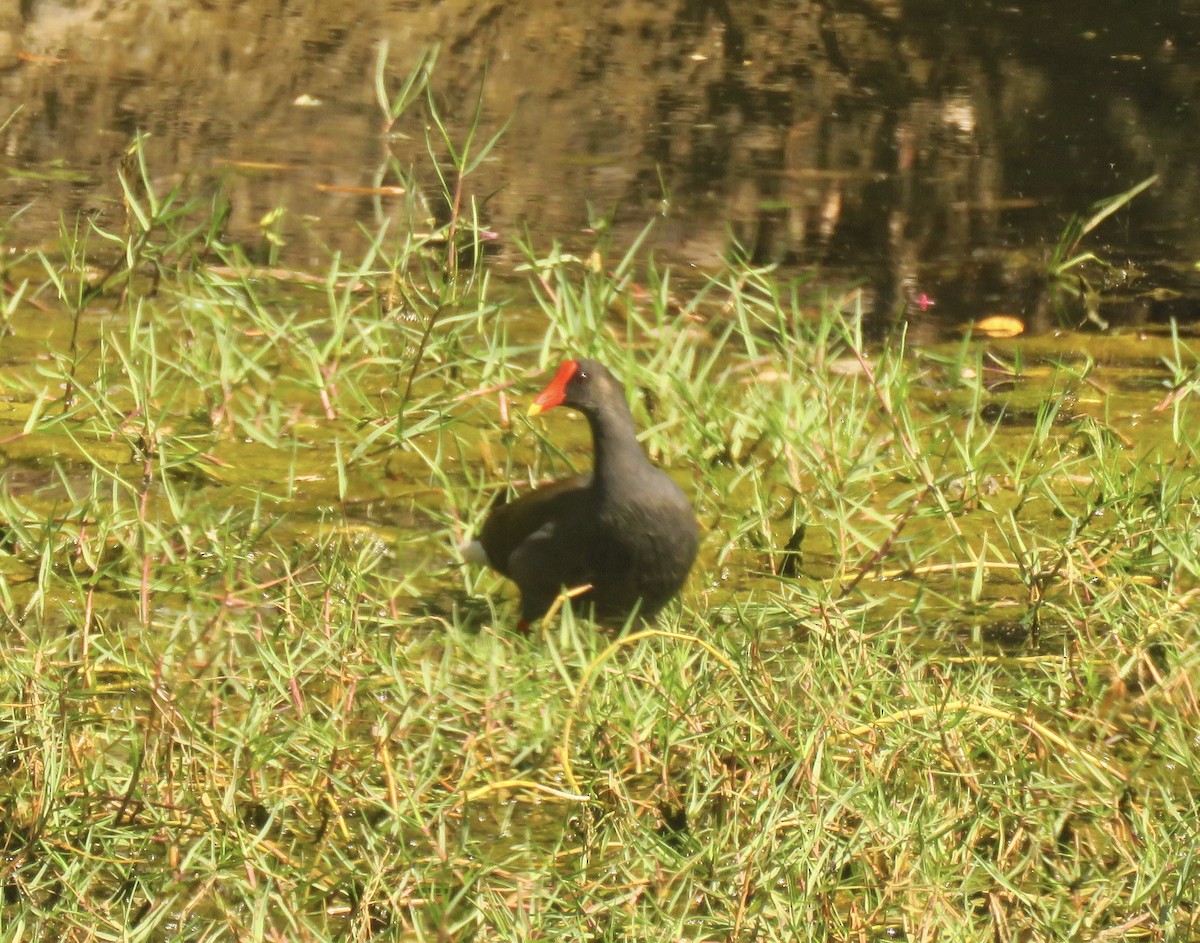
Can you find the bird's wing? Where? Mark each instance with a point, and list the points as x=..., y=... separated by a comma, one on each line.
x=510, y=524
x=553, y=558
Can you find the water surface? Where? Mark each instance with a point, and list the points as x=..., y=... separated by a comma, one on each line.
x=931, y=151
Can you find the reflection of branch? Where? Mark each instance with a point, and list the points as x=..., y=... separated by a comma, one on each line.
x=735, y=37
x=833, y=52
x=828, y=32
x=885, y=24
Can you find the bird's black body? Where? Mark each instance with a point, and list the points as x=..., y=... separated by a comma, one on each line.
x=626, y=530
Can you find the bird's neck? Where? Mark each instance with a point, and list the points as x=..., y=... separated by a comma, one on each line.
x=615, y=446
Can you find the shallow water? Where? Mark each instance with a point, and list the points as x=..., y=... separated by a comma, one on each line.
x=931, y=151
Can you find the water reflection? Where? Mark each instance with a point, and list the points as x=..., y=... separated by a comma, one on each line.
x=930, y=151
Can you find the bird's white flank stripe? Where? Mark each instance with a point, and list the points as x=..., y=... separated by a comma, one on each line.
x=472, y=552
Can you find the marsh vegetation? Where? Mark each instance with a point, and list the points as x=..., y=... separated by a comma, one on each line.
x=933, y=676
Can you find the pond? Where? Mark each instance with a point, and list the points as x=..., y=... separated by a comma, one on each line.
x=931, y=152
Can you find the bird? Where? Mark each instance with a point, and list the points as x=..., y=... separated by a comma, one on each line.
x=624, y=535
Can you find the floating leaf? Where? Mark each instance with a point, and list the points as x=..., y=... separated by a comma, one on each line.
x=998, y=325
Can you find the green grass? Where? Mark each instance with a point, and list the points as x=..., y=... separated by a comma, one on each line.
x=933, y=677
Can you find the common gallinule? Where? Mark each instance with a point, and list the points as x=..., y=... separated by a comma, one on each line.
x=626, y=531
